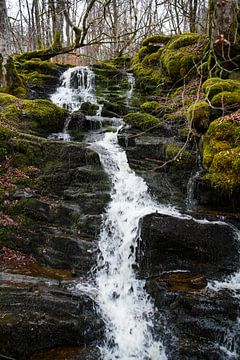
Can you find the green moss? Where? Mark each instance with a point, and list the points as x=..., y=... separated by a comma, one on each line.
x=157, y=67
x=221, y=154
x=224, y=172
x=154, y=108
x=122, y=62
x=184, y=159
x=198, y=115
x=228, y=101
x=153, y=59
x=105, y=65
x=42, y=115
x=214, y=86
x=89, y=109
x=142, y=121
x=157, y=39
x=184, y=40
x=35, y=78
x=6, y=99
x=41, y=67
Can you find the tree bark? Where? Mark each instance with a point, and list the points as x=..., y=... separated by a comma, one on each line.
x=4, y=41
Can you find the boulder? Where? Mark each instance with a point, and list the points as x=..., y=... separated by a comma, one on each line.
x=170, y=243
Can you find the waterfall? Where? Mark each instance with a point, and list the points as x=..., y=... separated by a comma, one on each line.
x=190, y=201
x=77, y=87
x=131, y=82
x=123, y=302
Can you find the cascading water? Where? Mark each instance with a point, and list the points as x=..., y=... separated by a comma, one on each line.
x=123, y=302
x=122, y=299
x=131, y=82
x=77, y=87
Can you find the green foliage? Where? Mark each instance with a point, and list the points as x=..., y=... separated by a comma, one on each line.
x=141, y=121
x=198, y=115
x=214, y=86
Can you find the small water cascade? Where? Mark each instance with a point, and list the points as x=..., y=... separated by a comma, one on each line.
x=190, y=201
x=131, y=82
x=123, y=303
x=77, y=87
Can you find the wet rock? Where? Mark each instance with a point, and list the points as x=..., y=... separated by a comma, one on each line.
x=80, y=122
x=206, y=195
x=170, y=243
x=36, y=318
x=89, y=109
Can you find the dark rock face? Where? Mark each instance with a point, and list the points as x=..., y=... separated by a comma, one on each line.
x=206, y=195
x=38, y=317
x=170, y=243
x=147, y=155
x=80, y=122
x=59, y=221
x=178, y=257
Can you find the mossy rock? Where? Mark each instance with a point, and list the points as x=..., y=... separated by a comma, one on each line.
x=214, y=86
x=157, y=39
x=5, y=147
x=226, y=101
x=105, y=65
x=142, y=121
x=184, y=40
x=122, y=62
x=221, y=154
x=6, y=99
x=184, y=157
x=88, y=108
x=157, y=66
x=153, y=59
x=114, y=109
x=42, y=67
x=38, y=115
x=154, y=108
x=198, y=115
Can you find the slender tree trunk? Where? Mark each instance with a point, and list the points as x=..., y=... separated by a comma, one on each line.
x=4, y=41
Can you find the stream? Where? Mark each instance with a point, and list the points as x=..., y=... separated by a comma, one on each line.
x=123, y=303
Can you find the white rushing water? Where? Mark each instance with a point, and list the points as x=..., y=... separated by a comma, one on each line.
x=77, y=87
x=123, y=303
x=122, y=300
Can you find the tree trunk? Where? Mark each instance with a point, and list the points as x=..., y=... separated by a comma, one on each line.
x=4, y=41
x=223, y=22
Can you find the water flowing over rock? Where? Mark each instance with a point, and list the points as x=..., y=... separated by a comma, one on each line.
x=116, y=271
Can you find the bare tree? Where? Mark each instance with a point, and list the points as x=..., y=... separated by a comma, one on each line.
x=4, y=36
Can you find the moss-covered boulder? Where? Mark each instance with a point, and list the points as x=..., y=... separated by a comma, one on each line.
x=214, y=86
x=226, y=101
x=142, y=121
x=154, y=108
x=166, y=60
x=40, y=116
x=88, y=108
x=198, y=116
x=156, y=40
x=221, y=154
x=181, y=156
